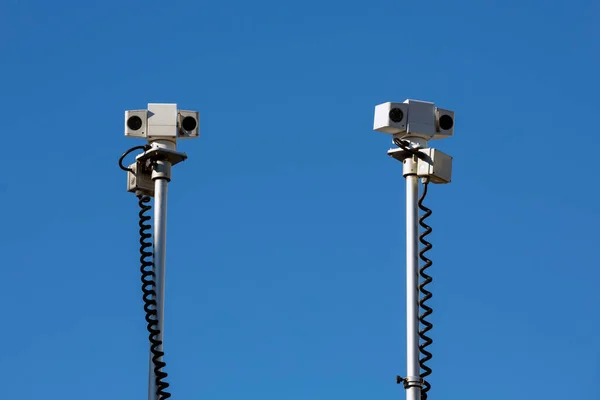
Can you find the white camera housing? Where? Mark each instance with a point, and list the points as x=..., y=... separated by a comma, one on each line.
x=136, y=123
x=162, y=121
x=188, y=124
x=414, y=118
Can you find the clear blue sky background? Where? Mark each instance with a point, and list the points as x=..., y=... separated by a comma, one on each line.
x=286, y=224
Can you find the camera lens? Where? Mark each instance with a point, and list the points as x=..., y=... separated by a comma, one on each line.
x=396, y=115
x=134, y=123
x=446, y=122
x=189, y=124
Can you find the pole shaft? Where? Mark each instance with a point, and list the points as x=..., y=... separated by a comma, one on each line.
x=159, y=258
x=413, y=368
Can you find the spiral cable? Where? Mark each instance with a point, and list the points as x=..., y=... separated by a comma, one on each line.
x=426, y=341
x=149, y=297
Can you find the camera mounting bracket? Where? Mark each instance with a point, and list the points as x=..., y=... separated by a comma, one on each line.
x=140, y=178
x=162, y=154
x=429, y=163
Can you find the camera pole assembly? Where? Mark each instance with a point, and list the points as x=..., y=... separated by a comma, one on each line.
x=412, y=123
x=162, y=125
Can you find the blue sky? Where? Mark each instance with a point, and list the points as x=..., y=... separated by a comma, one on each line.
x=286, y=225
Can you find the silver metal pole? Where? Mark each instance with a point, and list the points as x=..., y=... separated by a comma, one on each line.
x=161, y=175
x=413, y=368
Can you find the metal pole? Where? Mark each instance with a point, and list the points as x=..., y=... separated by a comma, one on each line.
x=161, y=175
x=413, y=368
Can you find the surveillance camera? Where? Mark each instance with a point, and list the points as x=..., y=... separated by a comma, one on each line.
x=136, y=123
x=188, y=124
x=444, y=123
x=162, y=122
x=391, y=118
x=414, y=119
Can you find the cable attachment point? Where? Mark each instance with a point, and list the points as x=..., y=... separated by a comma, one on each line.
x=139, y=180
x=406, y=150
x=144, y=147
x=409, y=147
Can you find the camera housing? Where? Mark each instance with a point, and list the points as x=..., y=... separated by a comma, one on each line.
x=162, y=121
x=136, y=123
x=188, y=124
x=414, y=118
x=444, y=120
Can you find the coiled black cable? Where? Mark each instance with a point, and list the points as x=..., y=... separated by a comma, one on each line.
x=426, y=279
x=426, y=341
x=149, y=297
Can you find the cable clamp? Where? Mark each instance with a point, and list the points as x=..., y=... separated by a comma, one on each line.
x=410, y=381
x=409, y=166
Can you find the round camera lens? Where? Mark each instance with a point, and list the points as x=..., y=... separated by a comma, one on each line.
x=396, y=115
x=189, y=124
x=446, y=122
x=134, y=123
